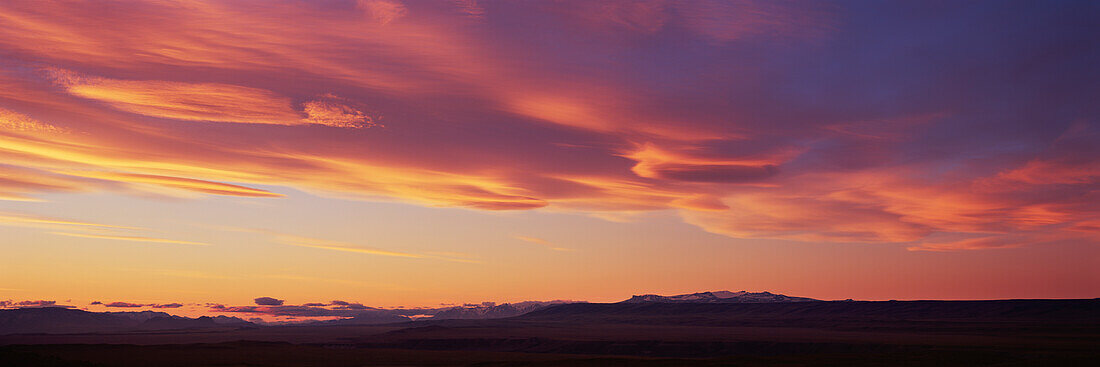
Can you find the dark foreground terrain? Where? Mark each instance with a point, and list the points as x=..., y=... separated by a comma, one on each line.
x=913, y=333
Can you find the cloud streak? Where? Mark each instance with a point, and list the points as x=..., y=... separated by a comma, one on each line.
x=182, y=101
x=338, y=246
x=317, y=243
x=130, y=238
x=189, y=184
x=30, y=220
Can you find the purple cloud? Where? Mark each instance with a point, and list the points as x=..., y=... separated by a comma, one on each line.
x=268, y=301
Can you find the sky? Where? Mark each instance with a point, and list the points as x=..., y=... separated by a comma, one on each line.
x=417, y=153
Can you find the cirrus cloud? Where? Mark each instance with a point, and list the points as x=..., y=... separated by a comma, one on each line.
x=750, y=119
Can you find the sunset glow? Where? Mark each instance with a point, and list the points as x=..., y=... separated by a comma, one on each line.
x=200, y=154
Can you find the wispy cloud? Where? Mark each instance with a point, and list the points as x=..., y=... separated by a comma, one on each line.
x=187, y=274
x=338, y=246
x=383, y=11
x=183, y=101
x=11, y=121
x=131, y=238
x=318, y=243
x=311, y=279
x=203, y=186
x=213, y=102
x=12, y=219
x=20, y=183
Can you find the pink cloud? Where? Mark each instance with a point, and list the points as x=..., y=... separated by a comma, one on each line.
x=383, y=11
x=182, y=101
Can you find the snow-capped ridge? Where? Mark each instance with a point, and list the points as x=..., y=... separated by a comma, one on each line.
x=718, y=297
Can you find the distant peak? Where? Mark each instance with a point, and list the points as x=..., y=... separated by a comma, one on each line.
x=718, y=297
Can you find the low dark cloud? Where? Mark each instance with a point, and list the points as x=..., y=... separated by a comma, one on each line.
x=39, y=303
x=344, y=305
x=308, y=311
x=276, y=307
x=138, y=305
x=31, y=304
x=268, y=301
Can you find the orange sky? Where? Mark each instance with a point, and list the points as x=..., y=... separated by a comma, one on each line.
x=410, y=154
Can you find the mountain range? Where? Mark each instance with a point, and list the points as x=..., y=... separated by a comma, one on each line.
x=719, y=297
x=59, y=320
x=692, y=331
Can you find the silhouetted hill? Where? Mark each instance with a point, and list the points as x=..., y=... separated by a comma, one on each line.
x=55, y=320
x=493, y=311
x=140, y=316
x=467, y=312
x=231, y=321
x=160, y=323
x=181, y=323
x=836, y=333
x=1079, y=311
